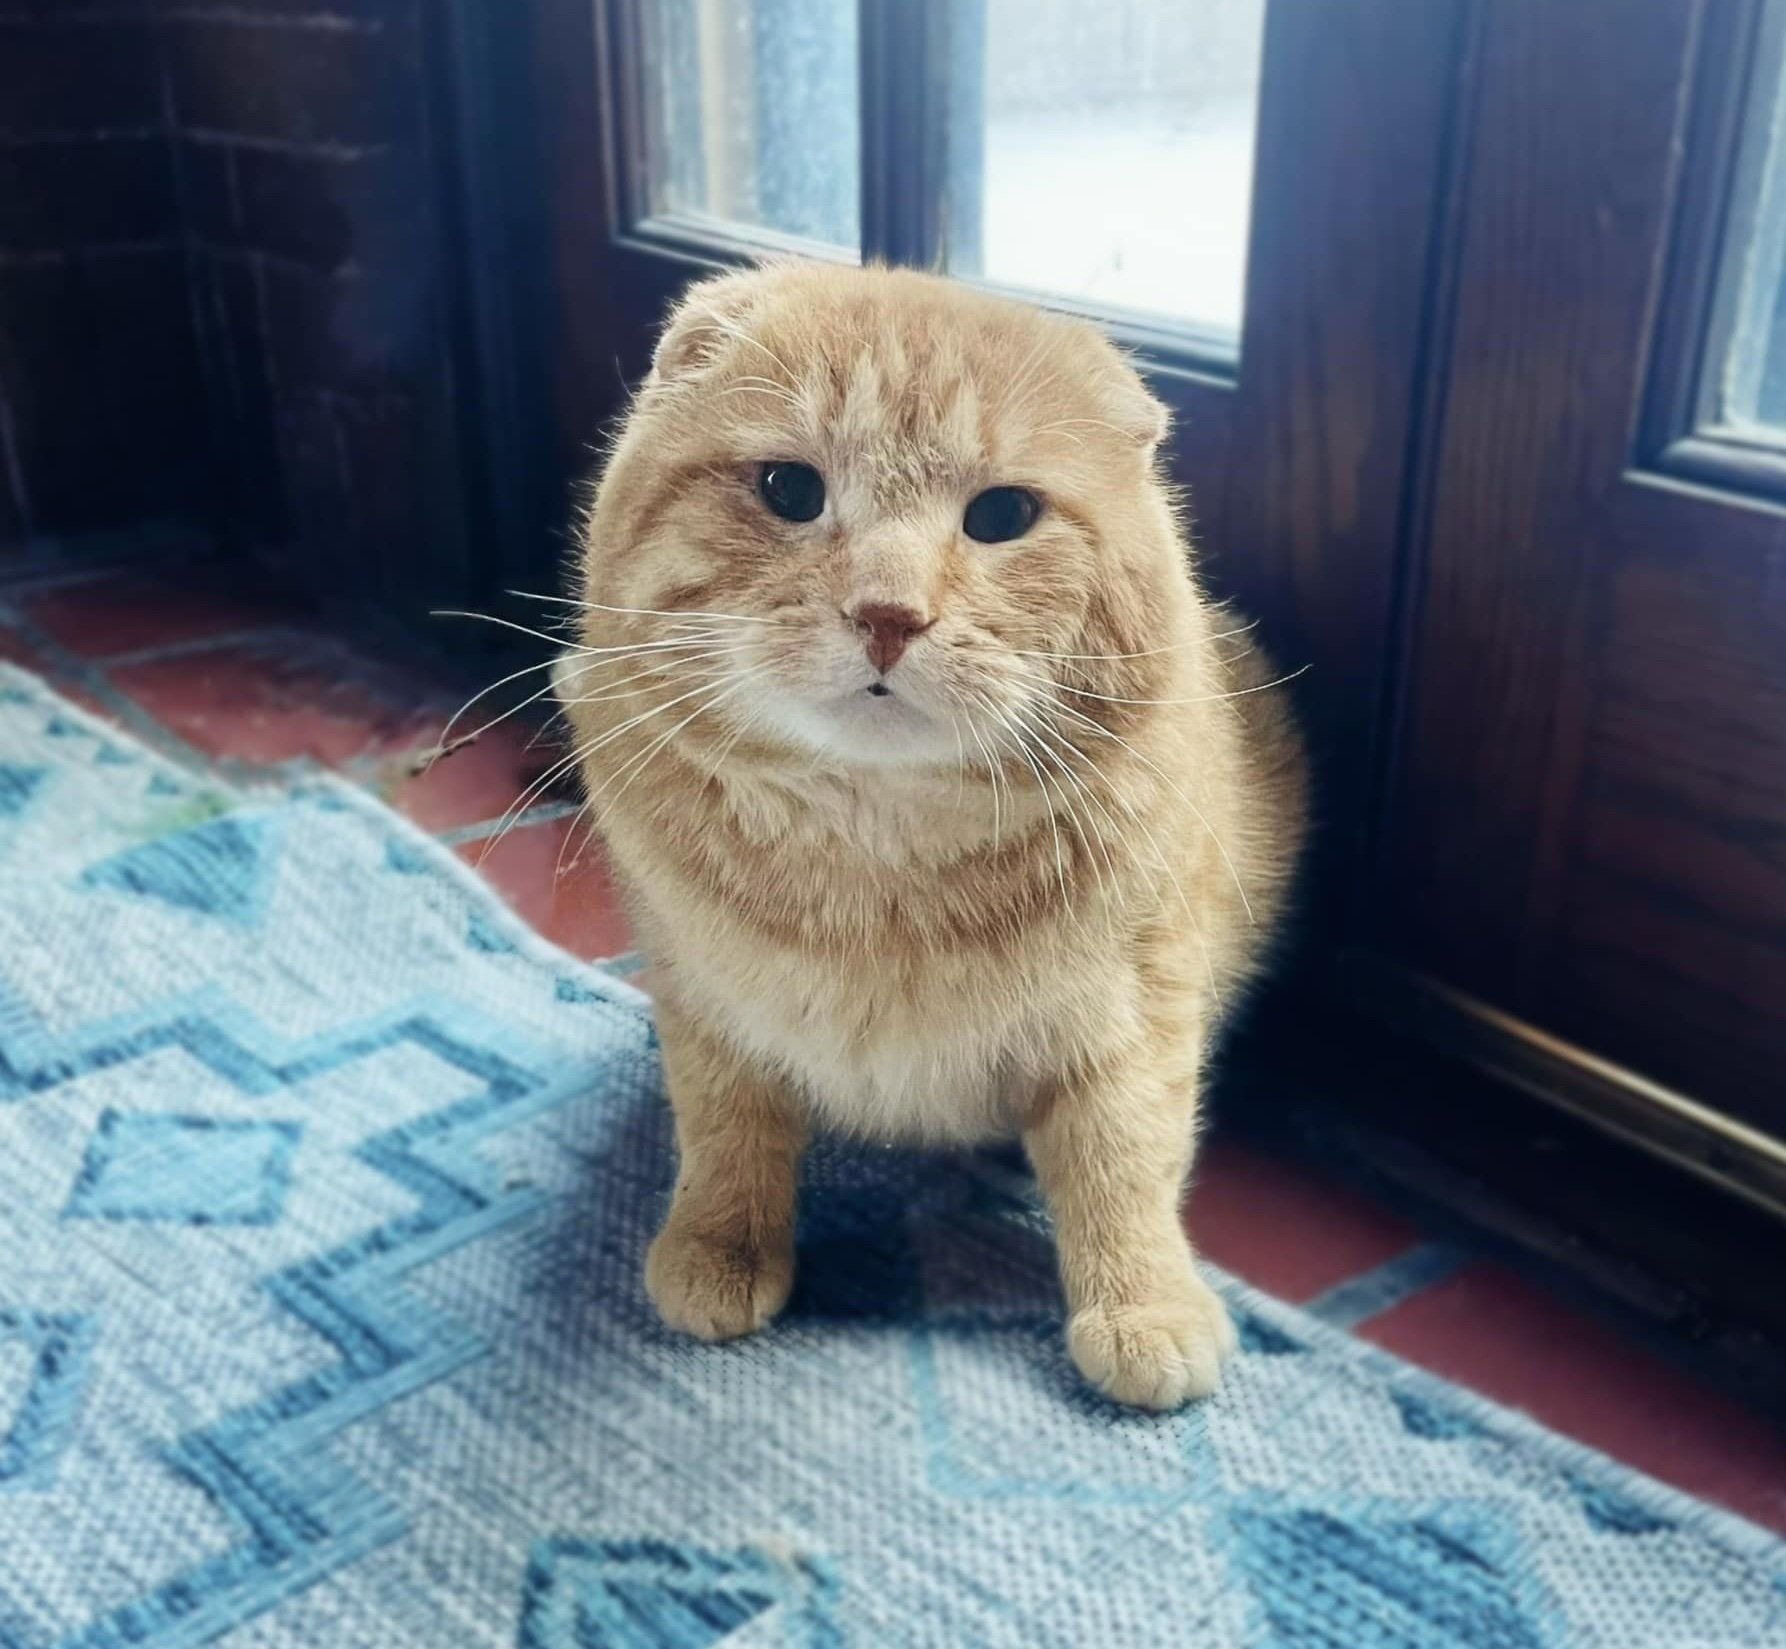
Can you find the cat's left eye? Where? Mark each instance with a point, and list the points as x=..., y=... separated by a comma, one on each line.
x=1000, y=514
x=795, y=492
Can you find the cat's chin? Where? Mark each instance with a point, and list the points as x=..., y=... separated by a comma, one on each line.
x=868, y=729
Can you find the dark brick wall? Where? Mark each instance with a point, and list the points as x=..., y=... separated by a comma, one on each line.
x=101, y=403
x=221, y=276
x=304, y=153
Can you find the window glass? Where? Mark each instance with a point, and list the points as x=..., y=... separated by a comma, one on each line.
x=1104, y=152
x=750, y=114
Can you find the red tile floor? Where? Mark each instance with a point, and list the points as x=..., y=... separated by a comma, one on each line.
x=235, y=677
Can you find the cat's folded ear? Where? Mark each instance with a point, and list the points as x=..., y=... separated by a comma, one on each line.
x=1127, y=405
x=710, y=313
x=1134, y=408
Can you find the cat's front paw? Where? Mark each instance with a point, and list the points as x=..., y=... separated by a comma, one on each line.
x=717, y=1290
x=1158, y=1353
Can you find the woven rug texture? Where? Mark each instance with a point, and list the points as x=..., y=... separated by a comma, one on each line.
x=324, y=1187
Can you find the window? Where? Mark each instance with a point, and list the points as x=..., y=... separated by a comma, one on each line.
x=1745, y=391
x=1716, y=407
x=1101, y=156
x=1115, y=154
x=750, y=115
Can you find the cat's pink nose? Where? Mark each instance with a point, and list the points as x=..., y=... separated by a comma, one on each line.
x=886, y=628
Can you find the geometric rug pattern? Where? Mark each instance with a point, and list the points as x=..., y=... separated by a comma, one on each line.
x=324, y=1188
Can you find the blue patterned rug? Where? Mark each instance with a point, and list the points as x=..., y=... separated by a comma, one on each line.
x=323, y=1191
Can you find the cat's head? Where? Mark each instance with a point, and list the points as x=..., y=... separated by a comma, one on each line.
x=899, y=513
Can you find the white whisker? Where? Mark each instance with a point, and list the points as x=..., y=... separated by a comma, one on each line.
x=559, y=641
x=570, y=835
x=1083, y=423
x=1161, y=862
x=1146, y=652
x=577, y=754
x=762, y=386
x=992, y=767
x=744, y=337
x=632, y=612
x=644, y=759
x=1046, y=751
x=1105, y=732
x=1206, y=698
x=1003, y=725
x=447, y=743
x=658, y=670
x=711, y=768
x=960, y=760
x=446, y=733
x=1000, y=779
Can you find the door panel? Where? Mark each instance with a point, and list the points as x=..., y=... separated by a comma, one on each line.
x=1586, y=815
x=1346, y=225
x=1669, y=945
x=1549, y=311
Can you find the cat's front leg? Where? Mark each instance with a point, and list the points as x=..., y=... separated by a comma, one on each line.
x=1111, y=1147
x=723, y=1263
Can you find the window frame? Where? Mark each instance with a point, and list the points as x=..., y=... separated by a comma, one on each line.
x=690, y=237
x=903, y=69
x=1681, y=436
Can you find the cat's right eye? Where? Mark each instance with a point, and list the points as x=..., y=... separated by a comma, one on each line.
x=1000, y=514
x=795, y=492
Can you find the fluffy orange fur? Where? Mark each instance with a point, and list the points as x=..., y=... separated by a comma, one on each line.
x=1016, y=886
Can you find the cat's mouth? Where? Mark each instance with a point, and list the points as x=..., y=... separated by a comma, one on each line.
x=878, y=723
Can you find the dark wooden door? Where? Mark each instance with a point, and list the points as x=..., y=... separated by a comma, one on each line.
x=1581, y=875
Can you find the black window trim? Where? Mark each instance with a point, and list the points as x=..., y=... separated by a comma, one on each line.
x=1680, y=434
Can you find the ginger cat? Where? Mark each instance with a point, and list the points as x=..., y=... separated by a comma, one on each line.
x=944, y=803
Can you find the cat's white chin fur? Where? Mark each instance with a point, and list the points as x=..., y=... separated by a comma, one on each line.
x=860, y=728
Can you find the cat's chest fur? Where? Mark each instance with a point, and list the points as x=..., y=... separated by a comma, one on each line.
x=897, y=1026
x=951, y=1048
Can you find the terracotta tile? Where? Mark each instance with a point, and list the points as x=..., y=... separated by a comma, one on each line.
x=1492, y=1331
x=563, y=890
x=1281, y=1228
x=17, y=648
x=102, y=617
x=273, y=704
x=477, y=782
x=77, y=694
